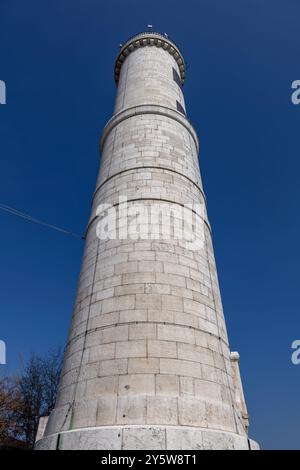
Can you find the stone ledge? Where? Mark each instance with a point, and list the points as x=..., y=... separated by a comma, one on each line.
x=153, y=168
x=149, y=109
x=147, y=199
x=185, y=327
x=146, y=438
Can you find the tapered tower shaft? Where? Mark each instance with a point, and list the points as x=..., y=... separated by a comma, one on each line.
x=147, y=363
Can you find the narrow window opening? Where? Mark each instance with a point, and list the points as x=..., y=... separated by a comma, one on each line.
x=180, y=108
x=176, y=78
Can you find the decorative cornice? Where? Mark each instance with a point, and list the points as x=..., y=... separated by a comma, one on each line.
x=150, y=39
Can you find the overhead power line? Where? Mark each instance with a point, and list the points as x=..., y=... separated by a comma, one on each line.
x=29, y=218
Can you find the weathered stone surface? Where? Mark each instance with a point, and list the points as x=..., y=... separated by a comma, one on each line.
x=91, y=439
x=145, y=437
x=142, y=437
x=46, y=443
x=213, y=440
x=186, y=438
x=147, y=364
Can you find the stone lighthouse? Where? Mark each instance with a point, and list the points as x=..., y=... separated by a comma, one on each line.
x=147, y=364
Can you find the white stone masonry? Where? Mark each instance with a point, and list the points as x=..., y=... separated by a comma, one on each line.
x=147, y=364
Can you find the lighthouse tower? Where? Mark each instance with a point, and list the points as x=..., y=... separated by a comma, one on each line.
x=147, y=364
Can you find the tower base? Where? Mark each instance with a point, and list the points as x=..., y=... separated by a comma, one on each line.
x=145, y=438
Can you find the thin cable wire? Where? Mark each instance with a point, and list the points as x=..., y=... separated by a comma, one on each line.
x=29, y=218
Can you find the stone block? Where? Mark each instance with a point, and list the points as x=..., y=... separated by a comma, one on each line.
x=179, y=367
x=186, y=385
x=135, y=384
x=162, y=410
x=138, y=438
x=191, y=412
x=101, y=352
x=213, y=440
x=184, y=438
x=167, y=385
x=143, y=365
x=115, y=333
x=142, y=331
x=113, y=367
x=131, y=409
x=131, y=349
x=101, y=386
x=166, y=349
x=84, y=414
x=106, y=410
x=91, y=439
x=175, y=333
x=160, y=316
x=153, y=301
x=114, y=304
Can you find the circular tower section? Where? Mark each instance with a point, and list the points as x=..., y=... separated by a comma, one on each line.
x=147, y=364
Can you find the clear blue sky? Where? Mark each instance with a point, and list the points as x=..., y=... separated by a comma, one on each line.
x=57, y=59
